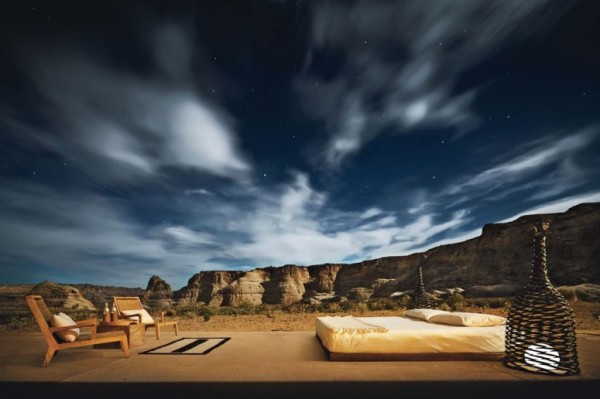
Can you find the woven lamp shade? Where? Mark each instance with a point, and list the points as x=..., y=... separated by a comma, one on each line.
x=540, y=329
x=420, y=300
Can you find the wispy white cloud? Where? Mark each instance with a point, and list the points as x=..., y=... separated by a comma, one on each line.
x=300, y=231
x=397, y=64
x=198, y=191
x=69, y=232
x=120, y=125
x=519, y=173
x=369, y=213
x=187, y=238
x=84, y=235
x=557, y=206
x=542, y=171
x=421, y=233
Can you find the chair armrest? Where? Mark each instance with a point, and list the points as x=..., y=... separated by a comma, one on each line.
x=161, y=315
x=80, y=324
x=87, y=323
x=64, y=328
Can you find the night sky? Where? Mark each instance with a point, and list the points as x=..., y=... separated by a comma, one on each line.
x=168, y=138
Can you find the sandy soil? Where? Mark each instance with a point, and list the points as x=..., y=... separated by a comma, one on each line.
x=586, y=316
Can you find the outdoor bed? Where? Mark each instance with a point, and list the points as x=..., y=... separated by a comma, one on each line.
x=425, y=335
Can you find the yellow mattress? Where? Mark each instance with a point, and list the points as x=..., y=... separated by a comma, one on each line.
x=401, y=335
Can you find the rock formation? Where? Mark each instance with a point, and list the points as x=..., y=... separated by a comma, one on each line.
x=158, y=293
x=497, y=263
x=62, y=296
x=101, y=294
x=285, y=285
x=502, y=254
x=203, y=287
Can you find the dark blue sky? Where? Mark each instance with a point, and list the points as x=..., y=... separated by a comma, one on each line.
x=142, y=138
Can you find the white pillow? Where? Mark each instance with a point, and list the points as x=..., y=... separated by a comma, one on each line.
x=63, y=320
x=146, y=318
x=423, y=314
x=467, y=319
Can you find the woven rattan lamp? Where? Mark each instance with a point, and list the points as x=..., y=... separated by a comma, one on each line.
x=419, y=299
x=540, y=329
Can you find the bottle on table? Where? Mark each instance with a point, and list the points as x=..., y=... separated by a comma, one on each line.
x=106, y=313
x=114, y=316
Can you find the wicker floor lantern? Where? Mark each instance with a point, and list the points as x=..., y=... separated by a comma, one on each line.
x=420, y=300
x=540, y=329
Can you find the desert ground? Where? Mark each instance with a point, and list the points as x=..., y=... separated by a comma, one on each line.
x=586, y=317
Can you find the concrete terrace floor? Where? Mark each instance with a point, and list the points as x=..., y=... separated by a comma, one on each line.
x=269, y=364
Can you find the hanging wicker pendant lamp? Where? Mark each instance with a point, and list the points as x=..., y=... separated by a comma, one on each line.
x=420, y=300
x=540, y=329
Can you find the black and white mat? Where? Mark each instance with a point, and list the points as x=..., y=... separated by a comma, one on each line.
x=188, y=346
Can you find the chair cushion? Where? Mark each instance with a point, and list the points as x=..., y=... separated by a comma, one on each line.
x=467, y=319
x=146, y=318
x=63, y=320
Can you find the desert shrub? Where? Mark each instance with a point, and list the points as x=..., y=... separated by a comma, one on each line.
x=456, y=302
x=247, y=308
x=493, y=303
x=402, y=301
x=568, y=292
x=188, y=314
x=207, y=313
x=376, y=305
x=329, y=307
x=333, y=307
x=444, y=306
x=20, y=320
x=299, y=308
x=312, y=308
x=226, y=311
x=392, y=305
x=362, y=307
x=384, y=304
x=347, y=306
x=588, y=294
x=195, y=309
x=269, y=310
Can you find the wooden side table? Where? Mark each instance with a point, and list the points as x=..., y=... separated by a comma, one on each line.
x=135, y=331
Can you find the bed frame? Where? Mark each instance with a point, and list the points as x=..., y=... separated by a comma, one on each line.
x=394, y=357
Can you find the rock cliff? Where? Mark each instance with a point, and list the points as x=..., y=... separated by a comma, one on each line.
x=497, y=263
x=62, y=296
x=101, y=294
x=158, y=293
x=204, y=286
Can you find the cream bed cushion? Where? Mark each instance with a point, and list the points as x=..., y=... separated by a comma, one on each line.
x=467, y=319
x=406, y=336
x=422, y=314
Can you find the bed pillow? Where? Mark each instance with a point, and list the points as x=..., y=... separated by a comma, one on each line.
x=423, y=314
x=467, y=319
x=63, y=320
x=146, y=318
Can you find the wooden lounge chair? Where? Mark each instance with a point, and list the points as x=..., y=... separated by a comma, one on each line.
x=43, y=316
x=130, y=307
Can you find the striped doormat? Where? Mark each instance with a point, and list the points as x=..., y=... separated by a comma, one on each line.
x=188, y=346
